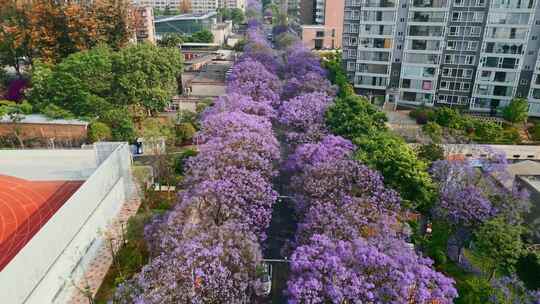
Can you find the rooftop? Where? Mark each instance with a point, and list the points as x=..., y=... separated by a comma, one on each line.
x=185, y=17
x=42, y=119
x=25, y=206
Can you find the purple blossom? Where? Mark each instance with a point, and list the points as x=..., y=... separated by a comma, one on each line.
x=226, y=123
x=470, y=195
x=239, y=103
x=217, y=265
x=360, y=271
x=308, y=83
x=251, y=78
x=301, y=61
x=304, y=117
x=15, y=90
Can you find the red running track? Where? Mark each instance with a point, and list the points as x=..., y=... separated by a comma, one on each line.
x=25, y=206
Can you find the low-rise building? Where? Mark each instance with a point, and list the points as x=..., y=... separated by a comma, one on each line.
x=185, y=24
x=44, y=131
x=57, y=208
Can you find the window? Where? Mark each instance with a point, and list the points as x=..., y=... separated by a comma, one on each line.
x=444, y=85
x=523, y=82
x=453, y=31
x=320, y=34
x=534, y=38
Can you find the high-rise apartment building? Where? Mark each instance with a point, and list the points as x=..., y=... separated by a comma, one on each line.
x=327, y=28
x=471, y=53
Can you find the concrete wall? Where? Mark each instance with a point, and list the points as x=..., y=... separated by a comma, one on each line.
x=43, y=267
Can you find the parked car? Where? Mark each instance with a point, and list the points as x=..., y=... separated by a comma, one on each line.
x=266, y=278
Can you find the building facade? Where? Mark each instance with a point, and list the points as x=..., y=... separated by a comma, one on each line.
x=241, y=4
x=196, y=6
x=144, y=25
x=476, y=54
x=185, y=24
x=327, y=28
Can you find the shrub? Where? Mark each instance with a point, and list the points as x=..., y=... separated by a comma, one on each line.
x=98, y=131
x=184, y=132
x=180, y=160
x=535, y=132
x=511, y=136
x=516, y=111
x=121, y=124
x=434, y=131
x=430, y=152
x=447, y=116
x=487, y=132
x=55, y=112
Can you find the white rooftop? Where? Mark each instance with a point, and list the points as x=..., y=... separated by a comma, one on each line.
x=42, y=119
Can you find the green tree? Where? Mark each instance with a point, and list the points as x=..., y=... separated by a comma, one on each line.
x=204, y=36
x=146, y=75
x=352, y=116
x=475, y=290
x=400, y=167
x=98, y=131
x=499, y=244
x=171, y=40
x=517, y=111
x=430, y=152
x=80, y=84
x=237, y=16
x=120, y=123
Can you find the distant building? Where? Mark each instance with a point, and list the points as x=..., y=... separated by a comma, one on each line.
x=159, y=4
x=327, y=28
x=204, y=6
x=145, y=30
x=307, y=12
x=241, y=4
x=43, y=131
x=222, y=32
x=57, y=208
x=185, y=23
x=197, y=6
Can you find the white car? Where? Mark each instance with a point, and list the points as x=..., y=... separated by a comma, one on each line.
x=266, y=278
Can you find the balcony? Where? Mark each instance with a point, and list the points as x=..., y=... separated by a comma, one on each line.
x=370, y=81
x=503, y=48
x=429, y=4
x=428, y=17
x=376, y=43
x=512, y=4
x=374, y=56
x=379, y=3
x=376, y=30
x=421, y=58
x=426, y=31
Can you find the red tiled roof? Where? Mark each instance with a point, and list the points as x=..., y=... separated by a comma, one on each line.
x=25, y=206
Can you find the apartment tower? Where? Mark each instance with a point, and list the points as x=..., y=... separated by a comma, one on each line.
x=476, y=54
